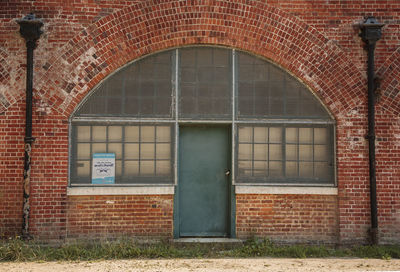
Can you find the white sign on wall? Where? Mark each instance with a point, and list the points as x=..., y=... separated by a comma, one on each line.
x=103, y=170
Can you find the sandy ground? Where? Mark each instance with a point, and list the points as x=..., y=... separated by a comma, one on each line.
x=259, y=264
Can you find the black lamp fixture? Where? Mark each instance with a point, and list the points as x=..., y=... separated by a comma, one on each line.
x=370, y=33
x=30, y=31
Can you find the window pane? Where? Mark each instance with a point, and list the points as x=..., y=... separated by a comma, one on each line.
x=275, y=135
x=260, y=134
x=132, y=134
x=321, y=135
x=131, y=151
x=146, y=151
x=163, y=134
x=246, y=134
x=291, y=135
x=321, y=153
x=147, y=134
x=261, y=152
x=131, y=168
x=117, y=149
x=245, y=168
x=291, y=169
x=99, y=133
x=147, y=168
x=115, y=133
x=205, y=84
x=163, y=151
x=291, y=152
x=83, y=151
x=163, y=168
x=275, y=152
x=305, y=135
x=305, y=169
x=260, y=168
x=245, y=152
x=83, y=169
x=83, y=133
x=275, y=169
x=305, y=153
x=99, y=148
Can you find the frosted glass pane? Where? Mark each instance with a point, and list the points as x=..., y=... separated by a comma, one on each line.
x=306, y=169
x=305, y=135
x=275, y=152
x=131, y=168
x=260, y=168
x=163, y=168
x=163, y=134
x=115, y=148
x=321, y=135
x=99, y=133
x=291, y=152
x=245, y=152
x=99, y=148
x=132, y=134
x=261, y=152
x=321, y=152
x=322, y=170
x=275, y=135
x=163, y=151
x=305, y=153
x=83, y=133
x=245, y=168
x=246, y=134
x=260, y=134
x=291, y=135
x=275, y=169
x=291, y=169
x=147, y=151
x=147, y=168
x=147, y=134
x=115, y=133
x=118, y=168
x=83, y=151
x=131, y=151
x=83, y=168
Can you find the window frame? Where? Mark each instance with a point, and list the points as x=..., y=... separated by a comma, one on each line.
x=175, y=120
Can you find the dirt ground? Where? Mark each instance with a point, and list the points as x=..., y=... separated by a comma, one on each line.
x=259, y=264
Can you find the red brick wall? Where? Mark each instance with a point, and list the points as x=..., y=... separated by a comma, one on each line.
x=288, y=218
x=84, y=41
x=99, y=217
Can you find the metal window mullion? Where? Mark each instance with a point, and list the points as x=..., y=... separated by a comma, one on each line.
x=123, y=153
x=155, y=150
x=284, y=150
x=233, y=105
x=176, y=138
x=298, y=150
x=252, y=152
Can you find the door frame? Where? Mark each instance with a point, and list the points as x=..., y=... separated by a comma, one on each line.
x=231, y=188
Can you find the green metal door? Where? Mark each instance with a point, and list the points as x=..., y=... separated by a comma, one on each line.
x=203, y=181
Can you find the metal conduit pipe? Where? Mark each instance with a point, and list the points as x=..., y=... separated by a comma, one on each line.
x=30, y=31
x=370, y=34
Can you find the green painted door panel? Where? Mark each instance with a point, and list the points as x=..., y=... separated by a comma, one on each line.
x=203, y=186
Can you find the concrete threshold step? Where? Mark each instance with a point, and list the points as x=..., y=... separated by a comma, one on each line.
x=207, y=240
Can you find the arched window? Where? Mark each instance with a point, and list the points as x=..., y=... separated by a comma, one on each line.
x=281, y=133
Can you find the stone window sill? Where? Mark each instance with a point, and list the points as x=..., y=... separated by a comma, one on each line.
x=121, y=190
x=285, y=190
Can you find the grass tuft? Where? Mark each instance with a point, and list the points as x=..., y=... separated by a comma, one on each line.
x=18, y=250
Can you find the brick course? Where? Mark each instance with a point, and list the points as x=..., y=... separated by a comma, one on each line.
x=316, y=41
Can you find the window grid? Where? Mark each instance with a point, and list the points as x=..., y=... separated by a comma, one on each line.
x=282, y=160
x=237, y=120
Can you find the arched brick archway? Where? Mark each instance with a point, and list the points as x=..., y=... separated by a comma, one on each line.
x=254, y=26
x=151, y=26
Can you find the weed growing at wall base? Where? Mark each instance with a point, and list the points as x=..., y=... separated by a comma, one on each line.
x=18, y=250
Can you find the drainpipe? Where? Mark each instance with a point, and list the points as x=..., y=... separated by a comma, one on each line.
x=370, y=34
x=30, y=31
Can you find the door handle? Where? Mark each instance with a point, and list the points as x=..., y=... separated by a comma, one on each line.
x=227, y=172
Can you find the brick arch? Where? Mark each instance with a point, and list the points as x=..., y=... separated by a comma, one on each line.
x=151, y=26
x=390, y=84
